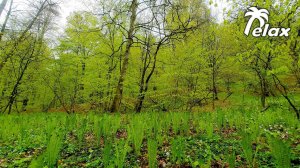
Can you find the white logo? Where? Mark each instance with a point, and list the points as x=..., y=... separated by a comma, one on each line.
x=262, y=15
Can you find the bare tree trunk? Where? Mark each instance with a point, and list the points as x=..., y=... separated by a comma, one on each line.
x=119, y=90
x=141, y=95
x=5, y=21
x=2, y=6
x=109, y=76
x=146, y=83
x=214, y=83
x=139, y=104
x=214, y=76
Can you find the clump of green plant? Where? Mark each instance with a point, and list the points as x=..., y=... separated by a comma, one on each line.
x=107, y=153
x=136, y=134
x=280, y=151
x=178, y=150
x=110, y=125
x=230, y=119
x=154, y=126
x=209, y=128
x=254, y=129
x=239, y=118
x=23, y=136
x=231, y=158
x=97, y=129
x=200, y=126
x=81, y=129
x=176, y=122
x=50, y=126
x=167, y=122
x=51, y=155
x=220, y=119
x=37, y=162
x=152, y=152
x=70, y=122
x=53, y=150
x=246, y=143
x=122, y=148
x=185, y=127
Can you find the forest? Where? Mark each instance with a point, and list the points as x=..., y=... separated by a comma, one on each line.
x=150, y=83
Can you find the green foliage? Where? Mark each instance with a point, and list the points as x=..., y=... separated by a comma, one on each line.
x=51, y=155
x=97, y=129
x=81, y=72
x=220, y=119
x=152, y=153
x=81, y=129
x=107, y=153
x=53, y=150
x=121, y=151
x=280, y=151
x=110, y=125
x=176, y=123
x=209, y=129
x=231, y=159
x=71, y=122
x=185, y=124
x=136, y=133
x=246, y=144
x=234, y=146
x=178, y=150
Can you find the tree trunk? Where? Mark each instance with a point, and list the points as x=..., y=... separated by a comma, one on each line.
x=145, y=84
x=119, y=90
x=5, y=22
x=139, y=103
x=2, y=6
x=214, y=83
x=109, y=93
x=141, y=95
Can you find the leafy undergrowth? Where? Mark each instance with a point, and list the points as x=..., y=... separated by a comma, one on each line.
x=225, y=138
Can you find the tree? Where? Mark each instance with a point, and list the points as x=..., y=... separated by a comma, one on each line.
x=23, y=54
x=170, y=22
x=6, y=19
x=21, y=36
x=2, y=6
x=119, y=90
x=265, y=55
x=73, y=78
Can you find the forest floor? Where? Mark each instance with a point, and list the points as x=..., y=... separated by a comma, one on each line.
x=241, y=137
